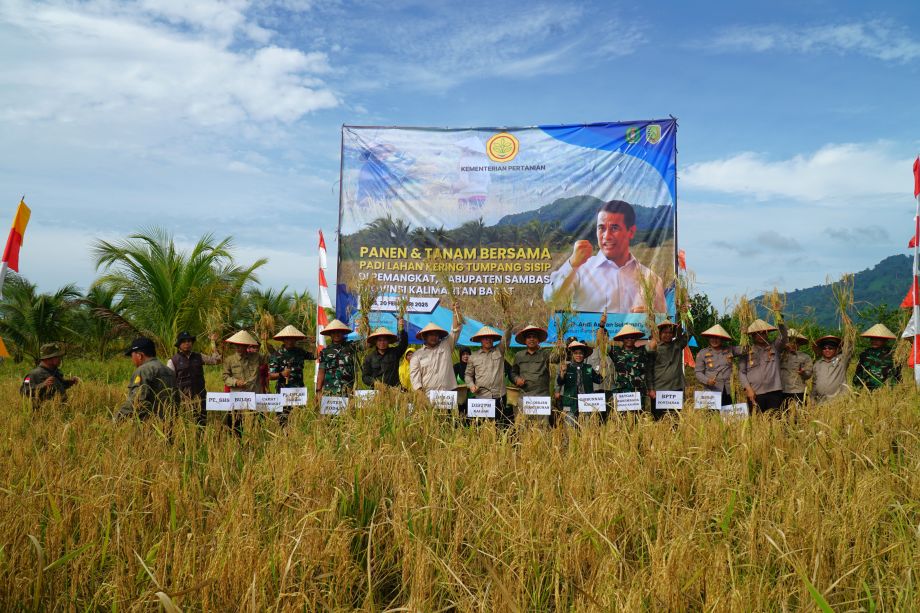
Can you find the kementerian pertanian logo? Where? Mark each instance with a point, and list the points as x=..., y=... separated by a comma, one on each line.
x=502, y=147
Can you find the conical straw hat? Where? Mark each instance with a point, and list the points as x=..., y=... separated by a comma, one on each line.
x=760, y=325
x=289, y=332
x=717, y=331
x=485, y=332
x=879, y=331
x=628, y=330
x=667, y=322
x=432, y=327
x=522, y=335
x=242, y=338
x=335, y=326
x=382, y=332
x=828, y=338
x=795, y=335
x=580, y=345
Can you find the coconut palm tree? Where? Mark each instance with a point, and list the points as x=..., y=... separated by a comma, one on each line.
x=29, y=319
x=99, y=321
x=165, y=290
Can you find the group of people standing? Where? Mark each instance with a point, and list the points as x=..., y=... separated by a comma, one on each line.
x=770, y=373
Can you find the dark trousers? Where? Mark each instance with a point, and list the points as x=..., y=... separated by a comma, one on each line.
x=770, y=402
x=726, y=398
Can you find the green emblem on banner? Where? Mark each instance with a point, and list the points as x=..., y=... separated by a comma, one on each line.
x=653, y=133
x=632, y=135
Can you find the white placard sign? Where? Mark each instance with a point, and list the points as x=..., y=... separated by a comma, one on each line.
x=446, y=401
x=735, y=410
x=480, y=407
x=628, y=401
x=707, y=400
x=536, y=405
x=332, y=405
x=243, y=401
x=669, y=400
x=592, y=403
x=294, y=396
x=219, y=401
x=362, y=397
x=270, y=403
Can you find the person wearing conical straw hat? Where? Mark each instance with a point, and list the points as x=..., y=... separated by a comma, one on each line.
x=759, y=367
x=830, y=369
x=714, y=364
x=575, y=377
x=876, y=366
x=530, y=370
x=432, y=366
x=631, y=363
x=382, y=362
x=666, y=362
x=285, y=366
x=336, y=375
x=242, y=368
x=485, y=372
x=189, y=368
x=795, y=368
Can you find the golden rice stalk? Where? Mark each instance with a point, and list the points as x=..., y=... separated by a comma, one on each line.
x=214, y=321
x=745, y=315
x=563, y=321
x=774, y=301
x=648, y=283
x=402, y=305
x=843, y=296
x=600, y=345
x=265, y=328
x=683, y=289
x=368, y=291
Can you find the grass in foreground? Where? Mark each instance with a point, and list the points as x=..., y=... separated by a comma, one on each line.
x=381, y=509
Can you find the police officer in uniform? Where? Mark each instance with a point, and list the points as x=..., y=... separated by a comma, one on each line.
x=46, y=381
x=152, y=389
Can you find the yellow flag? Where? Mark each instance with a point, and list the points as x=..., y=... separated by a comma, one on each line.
x=3, y=352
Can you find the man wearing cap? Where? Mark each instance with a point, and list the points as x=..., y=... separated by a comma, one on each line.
x=759, y=367
x=152, y=390
x=336, y=376
x=575, y=377
x=46, y=381
x=876, y=366
x=666, y=362
x=795, y=368
x=432, y=366
x=830, y=369
x=485, y=372
x=612, y=279
x=189, y=368
x=714, y=364
x=241, y=368
x=382, y=362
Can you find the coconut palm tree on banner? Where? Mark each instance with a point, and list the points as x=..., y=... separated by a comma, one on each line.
x=165, y=290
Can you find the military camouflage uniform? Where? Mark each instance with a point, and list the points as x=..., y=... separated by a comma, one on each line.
x=33, y=385
x=338, y=364
x=875, y=368
x=293, y=359
x=632, y=369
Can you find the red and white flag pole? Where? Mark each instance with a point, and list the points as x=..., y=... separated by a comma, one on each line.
x=916, y=286
x=322, y=303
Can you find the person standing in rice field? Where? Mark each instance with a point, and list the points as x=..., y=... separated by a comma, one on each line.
x=666, y=362
x=876, y=366
x=485, y=371
x=714, y=364
x=795, y=368
x=575, y=377
x=242, y=372
x=405, y=381
x=600, y=360
x=46, y=381
x=631, y=362
x=759, y=367
x=189, y=368
x=830, y=369
x=381, y=364
x=530, y=370
x=152, y=390
x=432, y=366
x=337, y=362
x=286, y=366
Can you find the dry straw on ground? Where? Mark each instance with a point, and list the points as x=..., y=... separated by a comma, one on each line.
x=381, y=509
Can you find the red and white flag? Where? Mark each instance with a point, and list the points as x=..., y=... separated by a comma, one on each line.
x=917, y=177
x=322, y=251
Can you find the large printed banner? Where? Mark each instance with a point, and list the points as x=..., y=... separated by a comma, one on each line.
x=573, y=218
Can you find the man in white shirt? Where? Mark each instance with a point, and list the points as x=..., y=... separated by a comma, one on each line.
x=611, y=279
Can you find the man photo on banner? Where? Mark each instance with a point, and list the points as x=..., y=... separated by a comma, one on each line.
x=610, y=280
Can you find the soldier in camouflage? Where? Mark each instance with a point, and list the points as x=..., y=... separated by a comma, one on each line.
x=631, y=363
x=876, y=365
x=46, y=381
x=286, y=366
x=336, y=376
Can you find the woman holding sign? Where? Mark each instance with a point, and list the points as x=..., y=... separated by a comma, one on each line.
x=575, y=377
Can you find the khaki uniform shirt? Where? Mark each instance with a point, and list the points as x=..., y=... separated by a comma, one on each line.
x=668, y=364
x=486, y=370
x=789, y=365
x=716, y=364
x=534, y=369
x=830, y=377
x=245, y=368
x=432, y=368
x=608, y=374
x=759, y=366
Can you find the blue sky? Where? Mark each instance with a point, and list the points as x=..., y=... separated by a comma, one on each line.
x=798, y=120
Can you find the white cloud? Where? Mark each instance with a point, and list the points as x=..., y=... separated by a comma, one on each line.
x=876, y=39
x=72, y=62
x=833, y=172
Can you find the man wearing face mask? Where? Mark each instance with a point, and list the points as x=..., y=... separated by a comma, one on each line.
x=610, y=280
